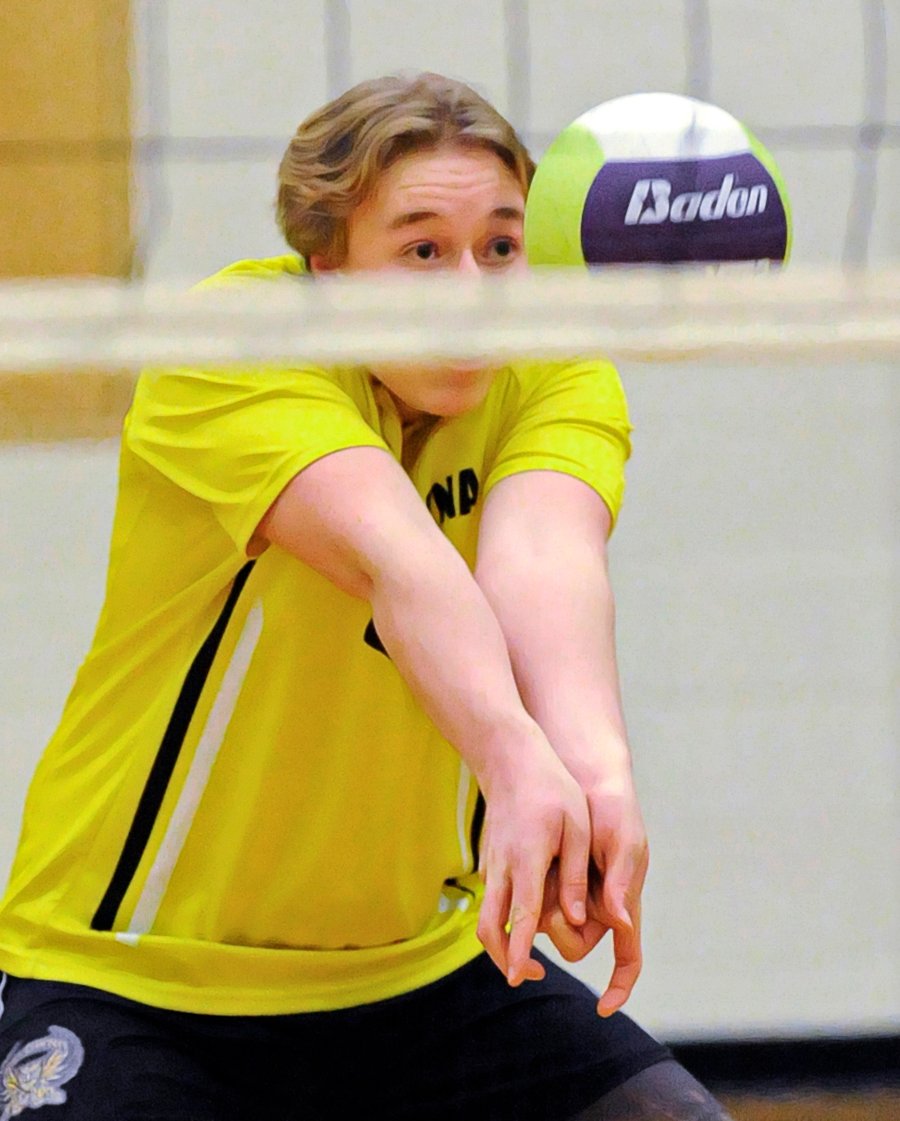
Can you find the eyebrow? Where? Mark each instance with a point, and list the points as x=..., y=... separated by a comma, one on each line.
x=413, y=217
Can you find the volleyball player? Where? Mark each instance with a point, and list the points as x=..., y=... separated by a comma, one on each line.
x=357, y=645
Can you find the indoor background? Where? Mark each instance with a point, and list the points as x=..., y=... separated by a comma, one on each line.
x=756, y=560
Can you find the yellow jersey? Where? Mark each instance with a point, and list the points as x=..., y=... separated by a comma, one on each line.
x=244, y=811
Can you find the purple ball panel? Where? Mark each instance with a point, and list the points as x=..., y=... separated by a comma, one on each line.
x=723, y=208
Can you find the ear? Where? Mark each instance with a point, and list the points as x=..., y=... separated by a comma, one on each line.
x=319, y=263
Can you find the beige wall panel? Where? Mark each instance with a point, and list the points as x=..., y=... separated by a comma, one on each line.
x=64, y=219
x=64, y=138
x=63, y=405
x=64, y=69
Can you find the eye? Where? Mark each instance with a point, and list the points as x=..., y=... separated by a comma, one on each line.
x=422, y=251
x=502, y=250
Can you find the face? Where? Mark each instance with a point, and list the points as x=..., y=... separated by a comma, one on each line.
x=448, y=210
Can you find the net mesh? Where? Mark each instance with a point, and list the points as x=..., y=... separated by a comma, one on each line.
x=820, y=92
x=70, y=351
x=657, y=315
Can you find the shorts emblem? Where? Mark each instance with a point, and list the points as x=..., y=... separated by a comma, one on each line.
x=33, y=1074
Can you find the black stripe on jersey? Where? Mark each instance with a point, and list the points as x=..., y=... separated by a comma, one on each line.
x=164, y=763
x=475, y=833
x=372, y=638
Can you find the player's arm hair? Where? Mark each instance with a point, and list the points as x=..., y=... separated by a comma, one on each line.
x=355, y=517
x=542, y=563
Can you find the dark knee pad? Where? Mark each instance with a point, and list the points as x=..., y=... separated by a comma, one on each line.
x=662, y=1092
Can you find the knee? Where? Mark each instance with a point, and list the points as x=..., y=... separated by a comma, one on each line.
x=663, y=1092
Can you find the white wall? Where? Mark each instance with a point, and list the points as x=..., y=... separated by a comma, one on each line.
x=756, y=561
x=221, y=86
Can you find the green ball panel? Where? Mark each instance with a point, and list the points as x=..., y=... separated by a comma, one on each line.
x=556, y=198
x=767, y=160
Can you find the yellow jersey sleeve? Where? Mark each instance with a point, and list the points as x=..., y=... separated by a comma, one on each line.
x=235, y=439
x=568, y=417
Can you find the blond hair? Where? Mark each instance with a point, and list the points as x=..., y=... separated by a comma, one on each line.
x=337, y=154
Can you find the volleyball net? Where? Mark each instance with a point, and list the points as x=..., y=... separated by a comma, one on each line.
x=70, y=351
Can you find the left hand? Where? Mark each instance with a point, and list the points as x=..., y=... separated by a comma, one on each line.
x=619, y=861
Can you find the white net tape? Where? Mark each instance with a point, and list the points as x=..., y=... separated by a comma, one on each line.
x=659, y=316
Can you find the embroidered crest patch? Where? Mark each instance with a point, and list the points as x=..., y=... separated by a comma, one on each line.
x=33, y=1074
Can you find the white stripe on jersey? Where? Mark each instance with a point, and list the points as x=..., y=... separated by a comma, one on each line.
x=462, y=805
x=198, y=776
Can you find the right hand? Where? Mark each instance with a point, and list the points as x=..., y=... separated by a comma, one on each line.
x=619, y=860
x=536, y=819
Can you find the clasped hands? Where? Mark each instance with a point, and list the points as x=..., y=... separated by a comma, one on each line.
x=573, y=868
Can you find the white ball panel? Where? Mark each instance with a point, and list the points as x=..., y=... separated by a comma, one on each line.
x=663, y=126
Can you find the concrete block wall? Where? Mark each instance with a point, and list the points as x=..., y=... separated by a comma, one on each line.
x=756, y=560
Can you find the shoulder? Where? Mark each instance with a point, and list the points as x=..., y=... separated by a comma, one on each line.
x=530, y=374
x=190, y=386
x=263, y=397
x=590, y=384
x=285, y=266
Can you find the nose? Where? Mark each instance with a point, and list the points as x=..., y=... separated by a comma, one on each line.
x=466, y=265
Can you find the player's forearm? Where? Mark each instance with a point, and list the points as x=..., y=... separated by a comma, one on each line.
x=447, y=644
x=429, y=612
x=559, y=626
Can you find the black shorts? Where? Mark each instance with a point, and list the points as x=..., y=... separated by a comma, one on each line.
x=467, y=1047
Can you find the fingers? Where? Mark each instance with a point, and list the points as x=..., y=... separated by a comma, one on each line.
x=536, y=840
x=621, y=893
x=516, y=904
x=574, y=858
x=573, y=942
x=518, y=907
x=492, y=921
x=524, y=915
x=627, y=967
x=623, y=882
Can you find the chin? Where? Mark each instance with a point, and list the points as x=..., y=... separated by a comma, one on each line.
x=463, y=391
x=447, y=390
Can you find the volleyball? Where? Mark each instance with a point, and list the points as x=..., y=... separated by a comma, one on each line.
x=656, y=178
